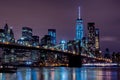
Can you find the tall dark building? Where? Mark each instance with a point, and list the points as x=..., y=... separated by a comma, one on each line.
x=97, y=45
x=107, y=53
x=27, y=32
x=9, y=35
x=46, y=41
x=52, y=33
x=35, y=40
x=2, y=35
x=6, y=28
x=26, y=38
x=91, y=36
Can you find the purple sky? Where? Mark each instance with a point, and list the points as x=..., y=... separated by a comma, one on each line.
x=61, y=15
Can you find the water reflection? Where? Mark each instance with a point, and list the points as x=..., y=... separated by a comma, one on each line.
x=63, y=73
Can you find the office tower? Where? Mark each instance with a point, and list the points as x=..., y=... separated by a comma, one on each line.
x=97, y=45
x=107, y=53
x=35, y=43
x=2, y=35
x=35, y=40
x=27, y=32
x=46, y=41
x=79, y=27
x=91, y=36
x=52, y=33
x=26, y=38
x=9, y=35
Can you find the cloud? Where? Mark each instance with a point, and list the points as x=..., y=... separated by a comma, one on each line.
x=108, y=38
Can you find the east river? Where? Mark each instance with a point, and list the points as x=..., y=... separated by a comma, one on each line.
x=63, y=73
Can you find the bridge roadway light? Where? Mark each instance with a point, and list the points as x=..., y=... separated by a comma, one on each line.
x=37, y=46
x=52, y=48
x=29, y=45
x=73, y=52
x=65, y=51
x=7, y=42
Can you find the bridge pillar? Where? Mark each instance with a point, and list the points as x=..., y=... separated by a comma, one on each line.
x=75, y=61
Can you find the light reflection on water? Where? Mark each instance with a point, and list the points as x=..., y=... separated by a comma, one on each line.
x=63, y=73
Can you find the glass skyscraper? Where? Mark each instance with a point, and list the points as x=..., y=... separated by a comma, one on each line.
x=52, y=33
x=79, y=27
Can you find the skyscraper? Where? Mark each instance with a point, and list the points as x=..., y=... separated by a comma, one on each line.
x=35, y=40
x=26, y=38
x=79, y=27
x=9, y=35
x=97, y=45
x=2, y=35
x=46, y=41
x=91, y=36
x=27, y=32
x=52, y=33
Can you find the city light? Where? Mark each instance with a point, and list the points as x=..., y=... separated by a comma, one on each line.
x=85, y=46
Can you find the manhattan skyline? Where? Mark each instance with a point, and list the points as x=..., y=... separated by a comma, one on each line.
x=61, y=15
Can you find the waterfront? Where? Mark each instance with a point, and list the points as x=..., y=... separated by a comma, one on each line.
x=63, y=73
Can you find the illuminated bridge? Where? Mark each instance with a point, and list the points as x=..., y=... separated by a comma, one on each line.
x=73, y=59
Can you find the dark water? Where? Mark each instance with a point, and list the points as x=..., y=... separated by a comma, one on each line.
x=63, y=73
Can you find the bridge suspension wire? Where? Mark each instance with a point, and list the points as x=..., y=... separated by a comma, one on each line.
x=88, y=52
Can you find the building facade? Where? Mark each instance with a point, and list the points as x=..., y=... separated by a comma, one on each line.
x=27, y=32
x=79, y=27
x=6, y=34
x=35, y=40
x=97, y=41
x=91, y=37
x=52, y=33
x=46, y=41
x=26, y=38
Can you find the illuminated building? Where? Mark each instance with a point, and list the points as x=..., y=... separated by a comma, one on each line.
x=2, y=35
x=6, y=34
x=52, y=33
x=27, y=32
x=46, y=41
x=79, y=27
x=26, y=38
x=35, y=40
x=91, y=36
x=97, y=46
x=97, y=43
x=35, y=43
x=10, y=36
x=93, y=39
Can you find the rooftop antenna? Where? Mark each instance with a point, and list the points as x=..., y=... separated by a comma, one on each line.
x=79, y=12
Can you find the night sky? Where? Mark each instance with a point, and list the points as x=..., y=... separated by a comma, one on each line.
x=61, y=15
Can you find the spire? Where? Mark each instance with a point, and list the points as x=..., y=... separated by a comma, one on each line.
x=79, y=13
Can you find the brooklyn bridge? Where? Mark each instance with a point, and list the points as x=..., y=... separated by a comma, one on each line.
x=16, y=54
